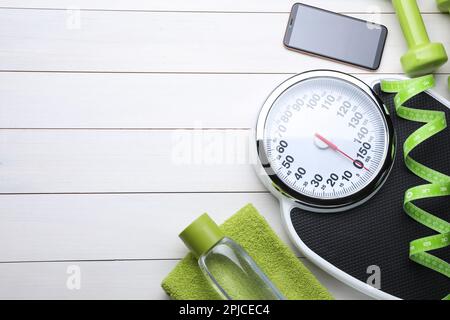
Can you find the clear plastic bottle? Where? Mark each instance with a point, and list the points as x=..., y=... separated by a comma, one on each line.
x=228, y=267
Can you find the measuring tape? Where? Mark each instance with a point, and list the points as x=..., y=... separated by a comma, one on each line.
x=439, y=183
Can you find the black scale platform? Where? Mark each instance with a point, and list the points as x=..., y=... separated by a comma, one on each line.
x=379, y=231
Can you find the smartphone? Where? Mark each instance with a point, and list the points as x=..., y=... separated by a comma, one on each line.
x=335, y=36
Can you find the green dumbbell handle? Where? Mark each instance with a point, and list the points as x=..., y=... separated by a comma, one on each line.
x=411, y=22
x=444, y=5
x=423, y=57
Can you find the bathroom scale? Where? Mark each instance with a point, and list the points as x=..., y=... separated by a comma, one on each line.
x=330, y=149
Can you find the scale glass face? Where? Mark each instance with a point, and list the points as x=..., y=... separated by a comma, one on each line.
x=325, y=140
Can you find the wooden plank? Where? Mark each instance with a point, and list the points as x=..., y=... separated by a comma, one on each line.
x=110, y=280
x=207, y=5
x=111, y=100
x=119, y=226
x=119, y=41
x=55, y=161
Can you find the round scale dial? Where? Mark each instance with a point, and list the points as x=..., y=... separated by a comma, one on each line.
x=325, y=138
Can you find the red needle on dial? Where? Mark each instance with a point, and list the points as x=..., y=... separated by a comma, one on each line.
x=335, y=148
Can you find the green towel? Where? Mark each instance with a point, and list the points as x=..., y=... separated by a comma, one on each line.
x=251, y=231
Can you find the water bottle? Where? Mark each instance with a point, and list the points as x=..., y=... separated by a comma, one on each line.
x=226, y=265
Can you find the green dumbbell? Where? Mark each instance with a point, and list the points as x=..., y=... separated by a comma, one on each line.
x=444, y=5
x=423, y=56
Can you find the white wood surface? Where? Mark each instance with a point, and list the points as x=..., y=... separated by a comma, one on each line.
x=118, y=131
x=61, y=161
x=92, y=100
x=123, y=41
x=208, y=5
x=112, y=226
x=110, y=280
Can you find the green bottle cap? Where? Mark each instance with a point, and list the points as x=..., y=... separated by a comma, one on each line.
x=201, y=235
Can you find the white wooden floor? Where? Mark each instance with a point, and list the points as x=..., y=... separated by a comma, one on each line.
x=121, y=121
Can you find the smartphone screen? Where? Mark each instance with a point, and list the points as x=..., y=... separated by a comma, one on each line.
x=335, y=36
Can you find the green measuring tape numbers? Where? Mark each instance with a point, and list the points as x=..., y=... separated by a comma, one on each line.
x=439, y=183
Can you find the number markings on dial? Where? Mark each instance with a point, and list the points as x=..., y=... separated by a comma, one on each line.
x=297, y=118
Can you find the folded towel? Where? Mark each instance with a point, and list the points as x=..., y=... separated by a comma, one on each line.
x=248, y=228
